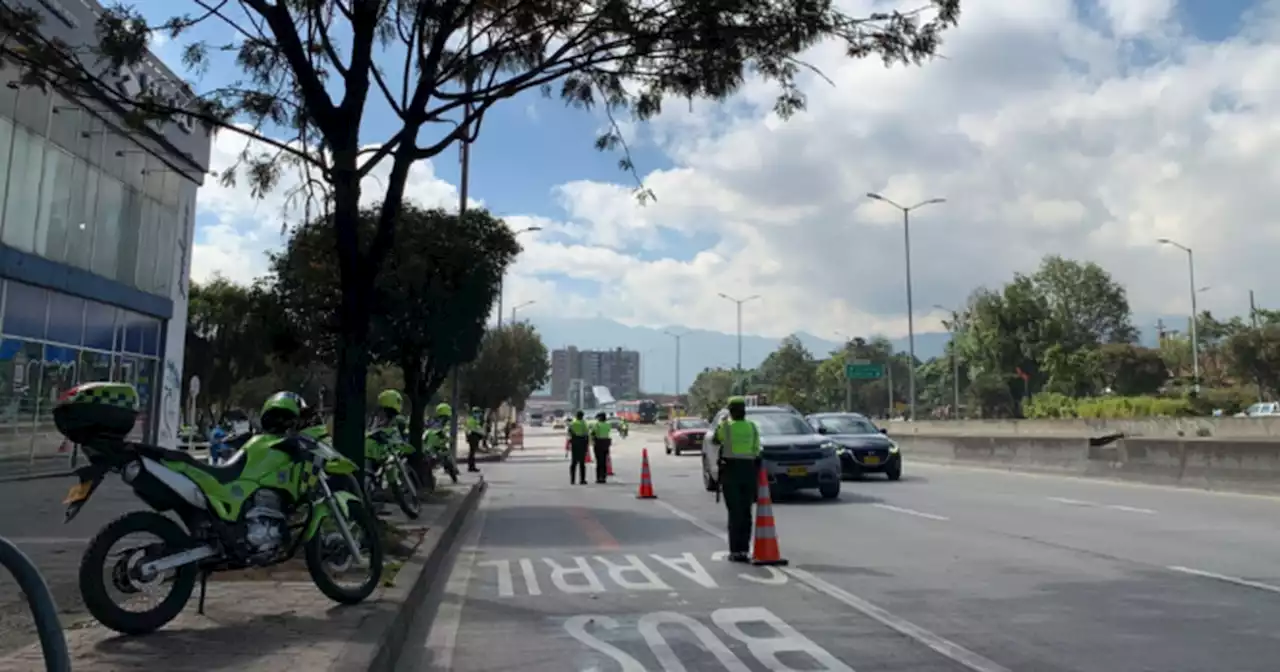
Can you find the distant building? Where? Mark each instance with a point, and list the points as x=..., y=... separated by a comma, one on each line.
x=618, y=370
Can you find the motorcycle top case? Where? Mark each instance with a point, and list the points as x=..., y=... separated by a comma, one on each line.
x=97, y=411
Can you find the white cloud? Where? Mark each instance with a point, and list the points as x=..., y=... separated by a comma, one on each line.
x=1049, y=129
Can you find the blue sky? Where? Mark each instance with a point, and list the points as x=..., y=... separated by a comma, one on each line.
x=1087, y=128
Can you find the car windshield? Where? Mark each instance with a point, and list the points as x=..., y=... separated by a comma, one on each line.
x=846, y=424
x=780, y=424
x=691, y=423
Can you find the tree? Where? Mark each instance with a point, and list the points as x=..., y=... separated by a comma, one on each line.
x=431, y=298
x=791, y=374
x=513, y=362
x=709, y=391
x=1130, y=370
x=1088, y=306
x=231, y=336
x=1255, y=357
x=312, y=71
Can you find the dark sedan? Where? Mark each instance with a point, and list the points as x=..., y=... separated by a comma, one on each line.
x=864, y=449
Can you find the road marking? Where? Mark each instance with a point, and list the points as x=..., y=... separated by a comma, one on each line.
x=910, y=512
x=625, y=573
x=443, y=638
x=1131, y=509
x=1223, y=577
x=940, y=644
x=594, y=529
x=48, y=541
x=1113, y=507
x=1069, y=501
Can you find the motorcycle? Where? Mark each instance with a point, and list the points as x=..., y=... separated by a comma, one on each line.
x=388, y=470
x=279, y=494
x=439, y=456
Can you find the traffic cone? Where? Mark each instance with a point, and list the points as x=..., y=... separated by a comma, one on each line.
x=589, y=449
x=764, y=549
x=609, y=462
x=646, y=483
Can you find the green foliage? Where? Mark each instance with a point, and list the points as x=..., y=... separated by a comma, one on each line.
x=709, y=392
x=791, y=374
x=1054, y=405
x=232, y=335
x=512, y=364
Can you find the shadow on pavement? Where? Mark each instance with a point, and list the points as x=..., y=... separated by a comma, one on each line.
x=806, y=498
x=879, y=479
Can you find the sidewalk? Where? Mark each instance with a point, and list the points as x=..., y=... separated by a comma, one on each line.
x=275, y=619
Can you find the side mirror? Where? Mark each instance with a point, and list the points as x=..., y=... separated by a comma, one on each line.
x=823, y=430
x=884, y=430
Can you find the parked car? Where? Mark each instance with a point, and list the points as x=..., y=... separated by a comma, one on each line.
x=795, y=455
x=685, y=434
x=864, y=449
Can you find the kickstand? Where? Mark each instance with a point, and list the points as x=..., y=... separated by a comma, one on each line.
x=204, y=582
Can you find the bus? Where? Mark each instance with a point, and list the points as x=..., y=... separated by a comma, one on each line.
x=644, y=411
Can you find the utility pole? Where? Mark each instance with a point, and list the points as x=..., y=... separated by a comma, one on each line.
x=676, y=336
x=463, y=184
x=739, y=302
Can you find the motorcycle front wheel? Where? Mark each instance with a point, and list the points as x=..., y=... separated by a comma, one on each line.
x=327, y=554
x=406, y=488
x=125, y=578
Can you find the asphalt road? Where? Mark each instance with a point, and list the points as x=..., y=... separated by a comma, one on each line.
x=948, y=569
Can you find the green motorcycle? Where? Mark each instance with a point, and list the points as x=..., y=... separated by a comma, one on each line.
x=388, y=470
x=281, y=492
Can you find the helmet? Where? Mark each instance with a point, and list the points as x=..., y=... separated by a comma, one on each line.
x=601, y=417
x=281, y=411
x=391, y=400
x=444, y=410
x=737, y=401
x=476, y=410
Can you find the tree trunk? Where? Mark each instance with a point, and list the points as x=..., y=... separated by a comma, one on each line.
x=417, y=400
x=357, y=294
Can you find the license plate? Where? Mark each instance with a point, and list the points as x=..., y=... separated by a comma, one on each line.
x=871, y=459
x=78, y=492
x=797, y=471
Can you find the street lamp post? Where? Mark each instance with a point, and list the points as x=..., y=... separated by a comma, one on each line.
x=502, y=284
x=677, y=336
x=514, y=309
x=1195, y=340
x=848, y=383
x=911, y=329
x=955, y=359
x=739, y=303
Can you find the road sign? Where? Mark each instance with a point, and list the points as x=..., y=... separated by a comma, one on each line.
x=861, y=369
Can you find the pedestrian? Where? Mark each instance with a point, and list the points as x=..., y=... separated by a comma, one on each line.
x=579, y=436
x=475, y=434
x=601, y=442
x=739, y=461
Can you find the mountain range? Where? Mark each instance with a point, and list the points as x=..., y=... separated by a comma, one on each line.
x=701, y=349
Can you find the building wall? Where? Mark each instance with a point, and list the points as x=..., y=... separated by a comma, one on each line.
x=95, y=228
x=618, y=370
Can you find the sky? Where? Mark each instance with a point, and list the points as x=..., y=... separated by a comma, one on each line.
x=1086, y=128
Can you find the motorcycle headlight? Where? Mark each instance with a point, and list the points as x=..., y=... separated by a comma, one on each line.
x=131, y=471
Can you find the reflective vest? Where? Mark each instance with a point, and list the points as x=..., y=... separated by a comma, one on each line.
x=739, y=439
x=473, y=426
x=601, y=430
x=577, y=428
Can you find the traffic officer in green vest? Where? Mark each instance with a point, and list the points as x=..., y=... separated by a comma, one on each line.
x=579, y=440
x=601, y=441
x=475, y=434
x=739, y=462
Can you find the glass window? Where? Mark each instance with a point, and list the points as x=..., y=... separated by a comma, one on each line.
x=33, y=107
x=780, y=424
x=55, y=201
x=135, y=164
x=57, y=375
x=138, y=372
x=99, y=326
x=94, y=367
x=145, y=274
x=130, y=230
x=8, y=96
x=147, y=386
x=106, y=239
x=847, y=424
x=97, y=139
x=151, y=338
x=154, y=176
x=19, y=376
x=24, y=310
x=80, y=221
x=24, y=185
x=166, y=248
x=141, y=334
x=6, y=145
x=66, y=318
x=64, y=122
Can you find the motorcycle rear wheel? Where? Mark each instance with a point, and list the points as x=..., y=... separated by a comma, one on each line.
x=93, y=588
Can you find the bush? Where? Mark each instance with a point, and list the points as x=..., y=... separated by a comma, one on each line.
x=1231, y=400
x=1047, y=405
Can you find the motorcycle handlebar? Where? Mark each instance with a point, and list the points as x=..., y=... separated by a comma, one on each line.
x=43, y=609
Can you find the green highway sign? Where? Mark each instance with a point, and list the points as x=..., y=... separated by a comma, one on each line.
x=861, y=369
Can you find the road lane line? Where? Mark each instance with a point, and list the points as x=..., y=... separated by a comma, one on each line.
x=1223, y=577
x=443, y=638
x=1069, y=501
x=594, y=529
x=937, y=643
x=910, y=512
x=51, y=541
x=1131, y=509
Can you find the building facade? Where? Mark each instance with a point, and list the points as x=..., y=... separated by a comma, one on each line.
x=96, y=224
x=618, y=370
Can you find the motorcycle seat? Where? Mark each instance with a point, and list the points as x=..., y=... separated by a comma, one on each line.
x=226, y=472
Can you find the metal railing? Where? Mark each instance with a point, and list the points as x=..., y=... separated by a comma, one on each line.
x=43, y=609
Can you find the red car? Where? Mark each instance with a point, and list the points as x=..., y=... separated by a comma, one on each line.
x=685, y=434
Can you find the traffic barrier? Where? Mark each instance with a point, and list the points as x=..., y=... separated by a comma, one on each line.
x=764, y=548
x=646, y=482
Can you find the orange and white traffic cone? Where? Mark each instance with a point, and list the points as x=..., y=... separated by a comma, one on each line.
x=589, y=449
x=764, y=549
x=646, y=482
x=609, y=463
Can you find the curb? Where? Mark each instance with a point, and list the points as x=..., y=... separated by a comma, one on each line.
x=36, y=476
x=377, y=643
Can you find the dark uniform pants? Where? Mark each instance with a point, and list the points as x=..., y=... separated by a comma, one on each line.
x=473, y=444
x=739, y=484
x=602, y=459
x=578, y=446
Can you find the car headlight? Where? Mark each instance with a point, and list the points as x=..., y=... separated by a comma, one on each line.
x=893, y=447
x=829, y=448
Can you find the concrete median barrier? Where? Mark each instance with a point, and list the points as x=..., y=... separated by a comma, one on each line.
x=1220, y=428
x=1244, y=465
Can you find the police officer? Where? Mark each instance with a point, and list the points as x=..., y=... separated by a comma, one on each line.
x=579, y=436
x=600, y=442
x=475, y=434
x=739, y=442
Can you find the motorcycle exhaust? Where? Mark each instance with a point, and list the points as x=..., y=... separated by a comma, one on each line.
x=149, y=570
